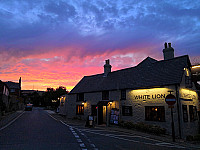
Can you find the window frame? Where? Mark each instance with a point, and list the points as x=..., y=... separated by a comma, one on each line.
x=123, y=94
x=192, y=113
x=105, y=95
x=153, y=114
x=80, y=97
x=80, y=111
x=185, y=113
x=129, y=108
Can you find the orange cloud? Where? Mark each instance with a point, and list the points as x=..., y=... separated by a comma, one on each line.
x=65, y=66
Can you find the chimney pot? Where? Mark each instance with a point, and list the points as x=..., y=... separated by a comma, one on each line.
x=107, y=62
x=165, y=45
x=169, y=45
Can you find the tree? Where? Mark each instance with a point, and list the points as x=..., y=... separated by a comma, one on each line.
x=52, y=94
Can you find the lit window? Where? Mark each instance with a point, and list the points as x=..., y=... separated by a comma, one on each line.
x=154, y=113
x=80, y=109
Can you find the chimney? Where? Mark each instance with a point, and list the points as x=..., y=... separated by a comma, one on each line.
x=168, y=52
x=107, y=68
x=20, y=82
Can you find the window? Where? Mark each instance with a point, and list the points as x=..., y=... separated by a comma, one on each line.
x=94, y=110
x=80, y=109
x=127, y=110
x=154, y=113
x=105, y=95
x=185, y=113
x=193, y=113
x=80, y=97
x=123, y=94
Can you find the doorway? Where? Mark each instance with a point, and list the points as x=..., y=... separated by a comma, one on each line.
x=101, y=115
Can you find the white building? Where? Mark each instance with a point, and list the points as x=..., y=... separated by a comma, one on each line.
x=137, y=94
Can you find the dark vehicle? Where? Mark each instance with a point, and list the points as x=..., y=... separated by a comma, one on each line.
x=29, y=107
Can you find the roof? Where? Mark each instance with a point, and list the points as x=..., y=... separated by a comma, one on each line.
x=12, y=85
x=148, y=73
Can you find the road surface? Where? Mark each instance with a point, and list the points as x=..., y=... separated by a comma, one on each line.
x=37, y=130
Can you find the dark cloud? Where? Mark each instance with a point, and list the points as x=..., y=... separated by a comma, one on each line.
x=96, y=26
x=62, y=10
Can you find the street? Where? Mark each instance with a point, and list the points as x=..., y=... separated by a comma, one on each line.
x=39, y=130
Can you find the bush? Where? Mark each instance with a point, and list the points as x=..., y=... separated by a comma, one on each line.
x=193, y=138
x=144, y=127
x=189, y=138
x=129, y=125
x=196, y=137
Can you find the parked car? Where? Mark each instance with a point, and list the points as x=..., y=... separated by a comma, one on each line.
x=29, y=107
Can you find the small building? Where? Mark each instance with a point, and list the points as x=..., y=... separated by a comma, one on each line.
x=16, y=102
x=4, y=97
x=62, y=106
x=137, y=94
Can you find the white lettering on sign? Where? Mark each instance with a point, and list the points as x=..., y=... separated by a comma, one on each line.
x=155, y=96
x=189, y=96
x=170, y=99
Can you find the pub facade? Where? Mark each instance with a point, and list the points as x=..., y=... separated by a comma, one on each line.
x=137, y=94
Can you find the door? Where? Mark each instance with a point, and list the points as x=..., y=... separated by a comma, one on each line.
x=100, y=114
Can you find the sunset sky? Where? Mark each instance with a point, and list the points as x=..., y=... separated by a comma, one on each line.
x=53, y=43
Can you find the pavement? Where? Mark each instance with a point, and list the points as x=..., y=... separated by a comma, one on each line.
x=10, y=118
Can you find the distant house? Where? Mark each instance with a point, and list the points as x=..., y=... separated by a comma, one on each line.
x=137, y=94
x=4, y=97
x=15, y=95
x=32, y=96
x=62, y=106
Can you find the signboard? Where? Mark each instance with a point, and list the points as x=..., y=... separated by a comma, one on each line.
x=90, y=118
x=170, y=99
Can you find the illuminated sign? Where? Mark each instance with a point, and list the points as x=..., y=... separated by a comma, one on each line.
x=153, y=96
x=188, y=94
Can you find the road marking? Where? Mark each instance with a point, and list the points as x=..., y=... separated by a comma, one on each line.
x=64, y=123
x=116, y=137
x=82, y=145
x=89, y=140
x=11, y=121
x=50, y=111
x=79, y=140
x=169, y=145
x=92, y=145
x=52, y=117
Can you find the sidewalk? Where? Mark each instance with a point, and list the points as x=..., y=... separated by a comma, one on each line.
x=4, y=120
x=163, y=138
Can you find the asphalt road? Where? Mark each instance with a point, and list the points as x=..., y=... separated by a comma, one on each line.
x=37, y=130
